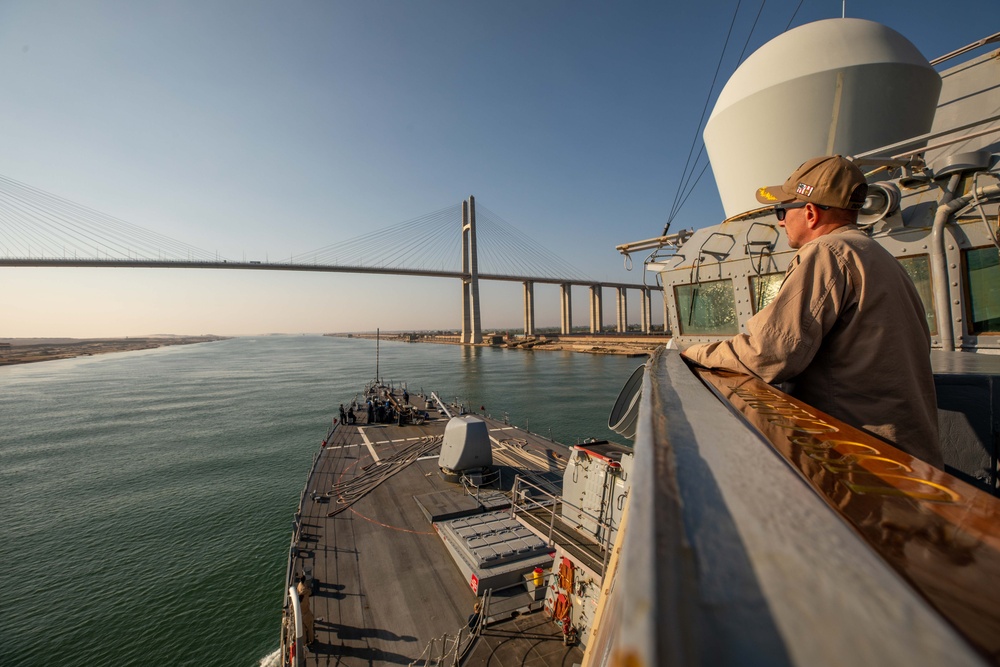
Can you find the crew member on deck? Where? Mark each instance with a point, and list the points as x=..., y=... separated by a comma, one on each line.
x=307, y=615
x=847, y=331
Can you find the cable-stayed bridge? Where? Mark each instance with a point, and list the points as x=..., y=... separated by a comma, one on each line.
x=38, y=229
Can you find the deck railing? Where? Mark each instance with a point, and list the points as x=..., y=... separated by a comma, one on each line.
x=449, y=651
x=523, y=501
x=293, y=548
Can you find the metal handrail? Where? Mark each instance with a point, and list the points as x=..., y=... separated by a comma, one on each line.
x=604, y=544
x=995, y=37
x=892, y=148
x=468, y=485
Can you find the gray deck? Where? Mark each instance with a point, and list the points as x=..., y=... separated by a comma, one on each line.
x=387, y=585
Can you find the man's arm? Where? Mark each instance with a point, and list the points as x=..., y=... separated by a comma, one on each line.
x=783, y=338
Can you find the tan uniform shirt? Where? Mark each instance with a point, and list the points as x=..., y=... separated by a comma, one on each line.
x=848, y=334
x=307, y=615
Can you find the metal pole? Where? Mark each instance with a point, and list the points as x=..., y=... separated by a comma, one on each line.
x=458, y=642
x=513, y=496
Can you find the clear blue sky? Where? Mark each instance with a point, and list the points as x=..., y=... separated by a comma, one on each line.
x=266, y=129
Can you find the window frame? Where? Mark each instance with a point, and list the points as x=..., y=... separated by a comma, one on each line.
x=732, y=303
x=931, y=307
x=753, y=296
x=967, y=293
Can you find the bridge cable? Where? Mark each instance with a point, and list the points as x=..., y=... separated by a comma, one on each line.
x=52, y=222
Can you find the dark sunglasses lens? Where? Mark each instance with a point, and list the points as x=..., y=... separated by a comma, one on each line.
x=779, y=213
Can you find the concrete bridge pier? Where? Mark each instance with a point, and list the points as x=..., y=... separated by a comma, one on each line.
x=596, y=310
x=566, y=309
x=472, y=330
x=529, y=308
x=647, y=314
x=622, y=310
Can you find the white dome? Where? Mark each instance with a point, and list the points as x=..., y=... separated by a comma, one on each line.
x=840, y=86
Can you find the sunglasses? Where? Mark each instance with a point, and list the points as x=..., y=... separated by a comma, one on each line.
x=780, y=211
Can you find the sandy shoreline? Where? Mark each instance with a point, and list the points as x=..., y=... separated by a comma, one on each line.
x=30, y=350
x=621, y=344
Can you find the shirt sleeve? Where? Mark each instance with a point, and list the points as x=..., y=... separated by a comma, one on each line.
x=783, y=338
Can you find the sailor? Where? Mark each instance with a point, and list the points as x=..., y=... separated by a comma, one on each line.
x=350, y=415
x=847, y=331
x=307, y=616
x=343, y=414
x=406, y=397
x=474, y=616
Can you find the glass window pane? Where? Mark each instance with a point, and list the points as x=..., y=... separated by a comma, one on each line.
x=764, y=288
x=707, y=308
x=918, y=268
x=982, y=268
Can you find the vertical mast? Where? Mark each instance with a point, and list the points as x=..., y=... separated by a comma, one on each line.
x=376, y=353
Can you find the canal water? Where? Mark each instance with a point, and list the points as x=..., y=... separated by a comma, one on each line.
x=147, y=497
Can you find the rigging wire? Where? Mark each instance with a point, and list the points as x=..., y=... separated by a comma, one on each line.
x=687, y=186
x=708, y=98
x=690, y=190
x=797, y=8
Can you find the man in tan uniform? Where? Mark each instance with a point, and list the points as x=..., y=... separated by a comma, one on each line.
x=847, y=331
x=307, y=616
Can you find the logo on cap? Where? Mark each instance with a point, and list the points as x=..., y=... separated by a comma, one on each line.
x=804, y=190
x=766, y=194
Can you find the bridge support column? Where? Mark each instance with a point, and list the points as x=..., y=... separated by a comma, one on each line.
x=529, y=308
x=472, y=331
x=566, y=309
x=622, y=311
x=596, y=310
x=647, y=315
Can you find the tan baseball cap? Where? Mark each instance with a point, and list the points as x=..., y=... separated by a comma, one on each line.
x=831, y=180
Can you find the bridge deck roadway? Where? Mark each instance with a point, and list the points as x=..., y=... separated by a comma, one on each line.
x=271, y=266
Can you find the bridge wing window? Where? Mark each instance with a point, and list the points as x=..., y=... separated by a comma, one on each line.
x=918, y=268
x=764, y=288
x=982, y=275
x=707, y=308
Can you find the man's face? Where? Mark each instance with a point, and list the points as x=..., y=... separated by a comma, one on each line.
x=794, y=224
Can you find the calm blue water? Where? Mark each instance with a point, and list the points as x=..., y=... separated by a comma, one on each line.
x=147, y=497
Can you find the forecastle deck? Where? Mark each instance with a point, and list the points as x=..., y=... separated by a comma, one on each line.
x=386, y=589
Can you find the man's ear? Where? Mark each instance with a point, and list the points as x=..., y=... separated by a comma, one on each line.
x=813, y=216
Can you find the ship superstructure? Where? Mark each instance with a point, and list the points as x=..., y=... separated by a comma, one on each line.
x=772, y=533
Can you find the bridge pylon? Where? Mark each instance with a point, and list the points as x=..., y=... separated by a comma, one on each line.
x=472, y=330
